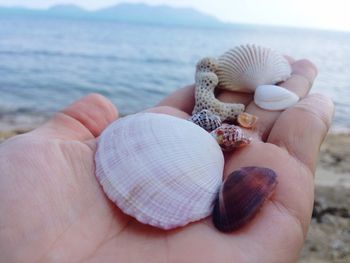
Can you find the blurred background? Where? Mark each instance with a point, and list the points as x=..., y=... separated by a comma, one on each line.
x=53, y=52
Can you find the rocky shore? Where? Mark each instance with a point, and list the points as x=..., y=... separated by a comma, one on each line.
x=328, y=239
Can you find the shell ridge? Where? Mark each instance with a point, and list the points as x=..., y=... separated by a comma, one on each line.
x=107, y=184
x=164, y=192
x=248, y=66
x=155, y=197
x=104, y=161
x=252, y=68
x=243, y=59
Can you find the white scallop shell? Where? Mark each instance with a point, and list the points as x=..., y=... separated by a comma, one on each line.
x=162, y=170
x=272, y=97
x=247, y=66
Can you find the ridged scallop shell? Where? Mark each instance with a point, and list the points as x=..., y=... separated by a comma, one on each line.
x=271, y=97
x=241, y=196
x=162, y=170
x=247, y=66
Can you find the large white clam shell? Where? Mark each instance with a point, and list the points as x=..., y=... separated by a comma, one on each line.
x=247, y=66
x=271, y=97
x=162, y=170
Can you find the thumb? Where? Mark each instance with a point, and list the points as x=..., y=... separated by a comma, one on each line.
x=83, y=120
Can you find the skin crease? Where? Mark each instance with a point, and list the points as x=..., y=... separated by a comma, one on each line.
x=52, y=209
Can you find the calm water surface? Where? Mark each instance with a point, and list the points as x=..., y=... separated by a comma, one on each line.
x=47, y=63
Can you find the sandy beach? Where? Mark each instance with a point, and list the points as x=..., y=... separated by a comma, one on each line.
x=328, y=239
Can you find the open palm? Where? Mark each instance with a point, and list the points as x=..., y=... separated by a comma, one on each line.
x=52, y=208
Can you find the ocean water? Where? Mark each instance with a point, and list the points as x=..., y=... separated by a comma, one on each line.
x=47, y=63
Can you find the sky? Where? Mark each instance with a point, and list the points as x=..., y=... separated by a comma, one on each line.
x=322, y=14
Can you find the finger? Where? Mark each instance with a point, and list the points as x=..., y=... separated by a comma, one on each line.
x=169, y=111
x=83, y=120
x=304, y=73
x=234, y=97
x=300, y=83
x=182, y=99
x=301, y=129
x=290, y=59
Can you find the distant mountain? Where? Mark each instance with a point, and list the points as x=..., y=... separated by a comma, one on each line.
x=127, y=13
x=17, y=11
x=142, y=13
x=66, y=9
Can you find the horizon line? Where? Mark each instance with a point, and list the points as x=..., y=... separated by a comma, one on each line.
x=107, y=6
x=179, y=8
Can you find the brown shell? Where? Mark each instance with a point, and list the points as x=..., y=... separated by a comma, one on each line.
x=241, y=196
x=230, y=137
x=247, y=120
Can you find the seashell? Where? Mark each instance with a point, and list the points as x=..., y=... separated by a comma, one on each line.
x=162, y=170
x=230, y=137
x=271, y=97
x=247, y=120
x=248, y=66
x=207, y=120
x=206, y=82
x=241, y=196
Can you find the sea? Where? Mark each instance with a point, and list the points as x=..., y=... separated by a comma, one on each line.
x=47, y=63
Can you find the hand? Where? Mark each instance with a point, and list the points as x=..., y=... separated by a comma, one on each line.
x=53, y=209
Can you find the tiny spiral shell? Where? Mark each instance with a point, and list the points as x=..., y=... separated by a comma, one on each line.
x=207, y=120
x=230, y=137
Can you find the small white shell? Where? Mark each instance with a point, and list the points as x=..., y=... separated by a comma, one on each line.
x=162, y=170
x=272, y=97
x=247, y=66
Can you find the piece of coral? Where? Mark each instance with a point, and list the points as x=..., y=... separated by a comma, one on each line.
x=206, y=82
